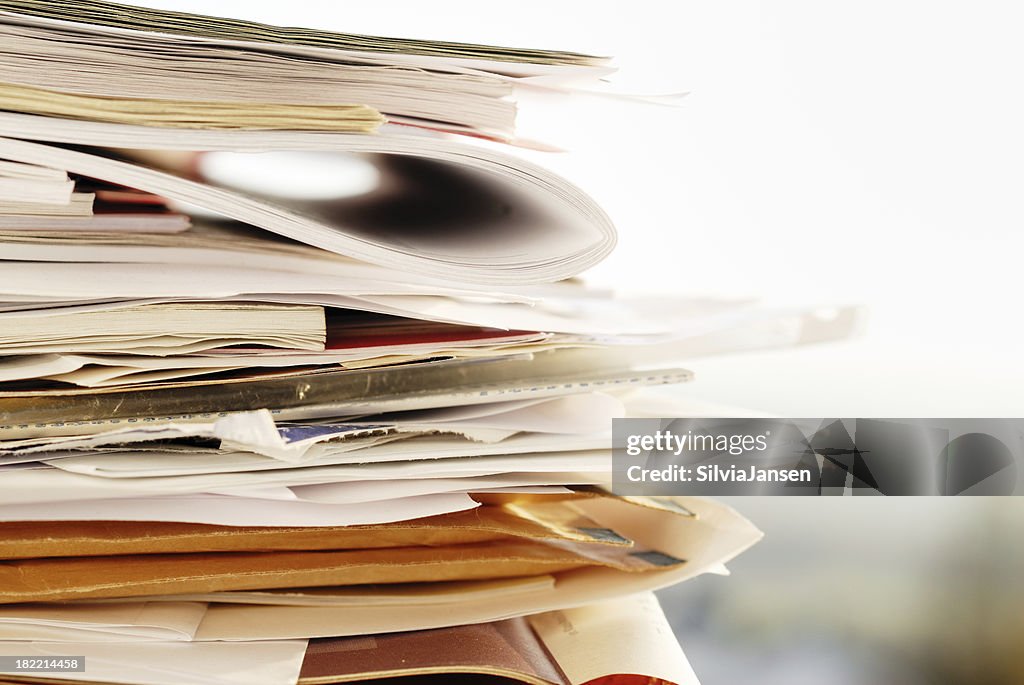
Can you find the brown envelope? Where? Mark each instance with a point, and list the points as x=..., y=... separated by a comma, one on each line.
x=532, y=518
x=70, y=578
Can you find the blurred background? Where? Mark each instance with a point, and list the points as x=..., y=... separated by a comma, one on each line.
x=827, y=153
x=861, y=591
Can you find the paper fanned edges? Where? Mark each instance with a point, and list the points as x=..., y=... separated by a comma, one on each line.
x=94, y=48
x=185, y=24
x=342, y=118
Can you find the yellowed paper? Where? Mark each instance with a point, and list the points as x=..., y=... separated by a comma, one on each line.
x=587, y=642
x=191, y=113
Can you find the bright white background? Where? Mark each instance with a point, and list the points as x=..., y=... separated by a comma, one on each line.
x=864, y=152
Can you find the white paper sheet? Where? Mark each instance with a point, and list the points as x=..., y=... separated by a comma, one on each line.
x=138, y=464
x=275, y=662
x=40, y=486
x=583, y=413
x=378, y=490
x=128, y=620
x=227, y=510
x=34, y=366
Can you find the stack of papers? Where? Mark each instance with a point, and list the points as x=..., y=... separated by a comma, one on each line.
x=349, y=423
x=568, y=647
x=113, y=62
x=41, y=199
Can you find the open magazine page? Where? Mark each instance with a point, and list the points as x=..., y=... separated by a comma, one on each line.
x=523, y=224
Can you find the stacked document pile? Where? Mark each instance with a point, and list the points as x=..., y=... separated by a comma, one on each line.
x=288, y=359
